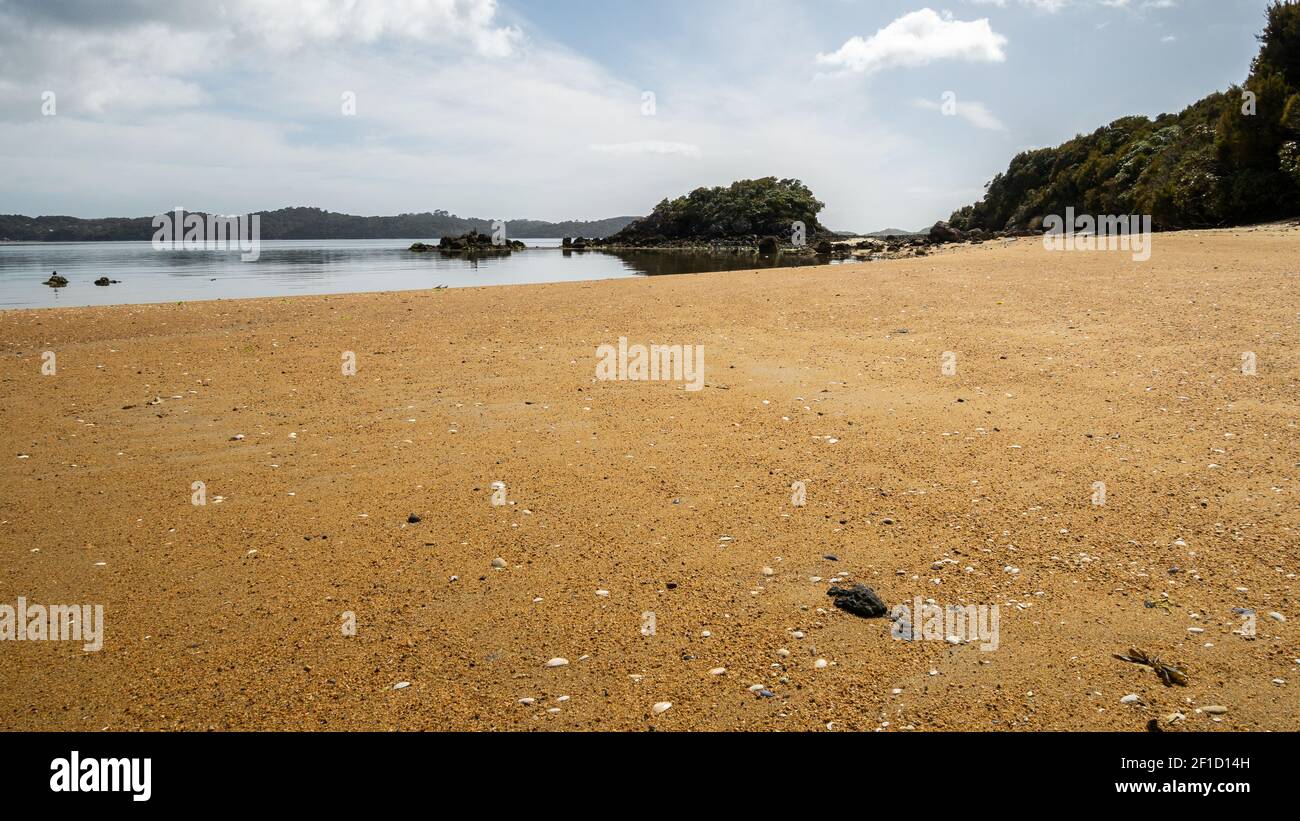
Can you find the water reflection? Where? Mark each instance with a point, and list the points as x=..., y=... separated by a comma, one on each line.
x=294, y=267
x=661, y=263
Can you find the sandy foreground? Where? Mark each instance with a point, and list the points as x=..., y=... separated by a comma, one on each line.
x=1071, y=369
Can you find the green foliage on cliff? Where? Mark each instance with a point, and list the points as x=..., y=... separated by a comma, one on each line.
x=1231, y=158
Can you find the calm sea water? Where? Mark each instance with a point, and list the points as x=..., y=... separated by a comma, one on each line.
x=294, y=267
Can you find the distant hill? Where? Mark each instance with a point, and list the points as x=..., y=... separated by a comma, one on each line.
x=1230, y=159
x=892, y=232
x=307, y=223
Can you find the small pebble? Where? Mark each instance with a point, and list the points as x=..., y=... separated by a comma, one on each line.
x=717, y=671
x=1131, y=698
x=1215, y=709
x=498, y=563
x=661, y=707
x=401, y=685
x=558, y=662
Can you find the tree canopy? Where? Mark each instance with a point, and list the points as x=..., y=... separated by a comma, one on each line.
x=746, y=208
x=1228, y=159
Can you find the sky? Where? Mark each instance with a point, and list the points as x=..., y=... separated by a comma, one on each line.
x=894, y=113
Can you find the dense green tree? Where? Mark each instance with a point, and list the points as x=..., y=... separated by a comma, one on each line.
x=1280, y=41
x=746, y=208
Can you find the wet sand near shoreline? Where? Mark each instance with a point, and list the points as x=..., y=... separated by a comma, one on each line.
x=632, y=498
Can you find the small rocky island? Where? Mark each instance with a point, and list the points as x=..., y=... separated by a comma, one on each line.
x=766, y=216
x=471, y=243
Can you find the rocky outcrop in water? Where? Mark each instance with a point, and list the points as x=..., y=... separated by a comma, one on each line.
x=470, y=243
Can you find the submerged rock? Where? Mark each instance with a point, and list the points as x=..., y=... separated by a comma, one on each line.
x=56, y=281
x=102, y=281
x=859, y=600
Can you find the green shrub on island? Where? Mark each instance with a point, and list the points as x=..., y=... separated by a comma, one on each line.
x=1229, y=159
x=740, y=213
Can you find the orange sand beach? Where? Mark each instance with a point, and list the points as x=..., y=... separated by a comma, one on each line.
x=1105, y=450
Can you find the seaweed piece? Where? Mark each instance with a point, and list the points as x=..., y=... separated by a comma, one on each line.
x=1168, y=673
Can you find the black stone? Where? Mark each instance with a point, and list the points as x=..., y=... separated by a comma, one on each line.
x=859, y=600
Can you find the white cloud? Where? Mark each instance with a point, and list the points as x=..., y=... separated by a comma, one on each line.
x=293, y=23
x=1053, y=6
x=973, y=112
x=1050, y=6
x=918, y=39
x=642, y=147
x=98, y=66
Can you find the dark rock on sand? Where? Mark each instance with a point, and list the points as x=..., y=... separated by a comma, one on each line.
x=859, y=600
x=943, y=232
